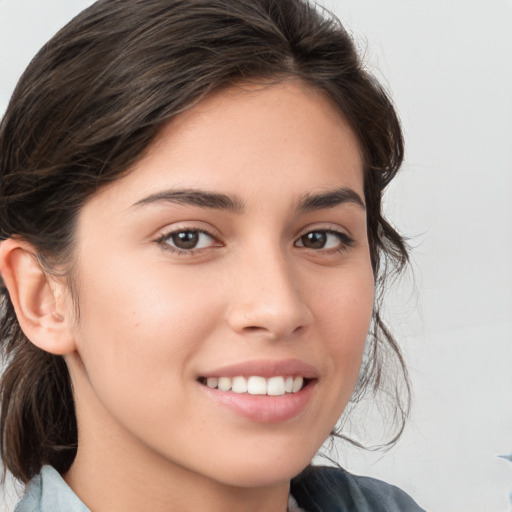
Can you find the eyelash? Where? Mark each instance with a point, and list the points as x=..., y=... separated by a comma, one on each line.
x=163, y=240
x=345, y=241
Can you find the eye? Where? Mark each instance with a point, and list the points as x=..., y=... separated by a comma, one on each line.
x=187, y=240
x=324, y=239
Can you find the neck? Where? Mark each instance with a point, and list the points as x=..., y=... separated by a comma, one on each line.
x=130, y=486
x=114, y=471
x=111, y=483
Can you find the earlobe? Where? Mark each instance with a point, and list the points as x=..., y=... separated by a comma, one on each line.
x=38, y=299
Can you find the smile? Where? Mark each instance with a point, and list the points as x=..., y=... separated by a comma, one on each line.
x=256, y=385
x=263, y=391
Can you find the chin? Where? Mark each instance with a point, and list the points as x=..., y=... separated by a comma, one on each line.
x=262, y=473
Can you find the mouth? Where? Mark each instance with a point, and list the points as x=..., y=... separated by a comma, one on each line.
x=279, y=385
x=263, y=391
x=263, y=400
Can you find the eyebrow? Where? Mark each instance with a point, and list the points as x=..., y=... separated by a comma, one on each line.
x=201, y=198
x=330, y=199
x=232, y=203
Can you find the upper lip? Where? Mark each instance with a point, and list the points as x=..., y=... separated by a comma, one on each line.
x=265, y=368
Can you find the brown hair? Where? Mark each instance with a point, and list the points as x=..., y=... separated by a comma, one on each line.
x=91, y=102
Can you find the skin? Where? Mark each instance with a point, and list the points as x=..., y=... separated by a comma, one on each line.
x=153, y=320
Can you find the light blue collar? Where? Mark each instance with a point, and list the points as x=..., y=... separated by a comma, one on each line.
x=48, y=492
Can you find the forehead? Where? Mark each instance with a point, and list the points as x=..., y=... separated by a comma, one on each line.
x=276, y=139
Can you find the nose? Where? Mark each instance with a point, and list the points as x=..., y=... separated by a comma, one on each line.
x=267, y=299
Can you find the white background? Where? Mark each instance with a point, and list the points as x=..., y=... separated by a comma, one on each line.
x=448, y=64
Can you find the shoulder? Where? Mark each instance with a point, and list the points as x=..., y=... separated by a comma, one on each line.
x=48, y=492
x=326, y=489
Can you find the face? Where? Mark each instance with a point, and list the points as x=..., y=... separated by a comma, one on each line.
x=225, y=289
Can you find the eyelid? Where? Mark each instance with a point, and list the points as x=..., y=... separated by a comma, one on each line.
x=164, y=234
x=187, y=225
x=330, y=228
x=346, y=240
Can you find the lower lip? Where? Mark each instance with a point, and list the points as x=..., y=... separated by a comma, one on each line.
x=264, y=408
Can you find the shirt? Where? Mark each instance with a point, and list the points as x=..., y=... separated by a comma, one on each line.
x=316, y=489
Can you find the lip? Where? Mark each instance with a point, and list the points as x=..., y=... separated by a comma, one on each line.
x=265, y=368
x=264, y=408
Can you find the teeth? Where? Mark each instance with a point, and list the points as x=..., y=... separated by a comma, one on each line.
x=275, y=386
x=297, y=384
x=224, y=384
x=255, y=385
x=239, y=385
x=212, y=382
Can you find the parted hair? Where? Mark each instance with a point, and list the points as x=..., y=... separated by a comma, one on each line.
x=90, y=103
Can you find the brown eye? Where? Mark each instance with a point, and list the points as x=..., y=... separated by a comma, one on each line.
x=324, y=239
x=314, y=240
x=185, y=239
x=188, y=240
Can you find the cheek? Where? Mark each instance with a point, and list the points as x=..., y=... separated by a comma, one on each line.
x=346, y=310
x=136, y=322
x=138, y=334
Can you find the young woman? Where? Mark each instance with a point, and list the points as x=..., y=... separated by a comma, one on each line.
x=192, y=243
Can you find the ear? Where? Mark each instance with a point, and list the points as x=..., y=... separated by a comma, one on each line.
x=39, y=300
